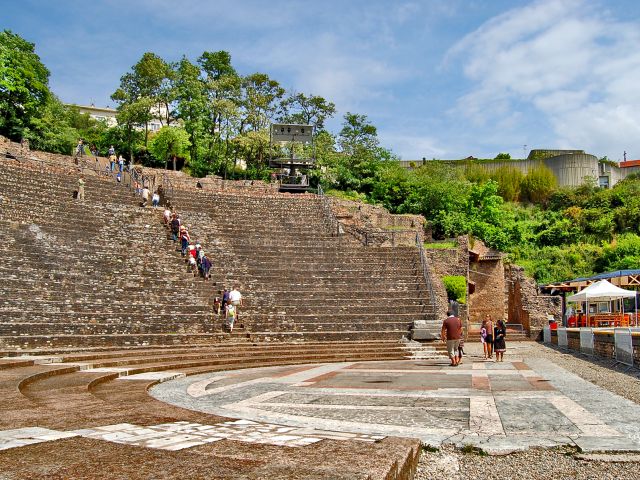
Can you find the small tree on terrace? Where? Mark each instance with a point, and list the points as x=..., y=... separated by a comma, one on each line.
x=170, y=142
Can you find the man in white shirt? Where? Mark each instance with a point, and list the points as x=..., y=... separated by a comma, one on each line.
x=235, y=298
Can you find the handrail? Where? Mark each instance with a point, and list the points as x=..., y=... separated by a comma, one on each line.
x=167, y=186
x=128, y=175
x=329, y=215
x=425, y=268
x=75, y=165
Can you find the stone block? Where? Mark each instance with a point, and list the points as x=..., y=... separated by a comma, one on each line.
x=423, y=334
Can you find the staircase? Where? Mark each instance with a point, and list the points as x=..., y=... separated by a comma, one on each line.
x=103, y=273
x=299, y=280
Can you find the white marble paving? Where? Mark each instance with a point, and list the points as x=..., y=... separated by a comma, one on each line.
x=160, y=376
x=180, y=435
x=20, y=437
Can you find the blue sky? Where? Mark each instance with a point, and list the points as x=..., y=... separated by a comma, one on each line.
x=439, y=78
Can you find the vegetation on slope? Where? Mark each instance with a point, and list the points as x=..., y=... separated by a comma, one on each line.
x=223, y=117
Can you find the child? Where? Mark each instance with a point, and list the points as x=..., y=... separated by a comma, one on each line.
x=230, y=316
x=461, y=348
x=216, y=305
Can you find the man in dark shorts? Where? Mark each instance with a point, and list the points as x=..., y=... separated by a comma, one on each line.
x=452, y=334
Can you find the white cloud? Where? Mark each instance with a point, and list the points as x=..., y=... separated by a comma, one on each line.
x=563, y=60
x=413, y=146
x=328, y=65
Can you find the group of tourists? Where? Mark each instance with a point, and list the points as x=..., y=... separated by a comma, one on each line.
x=492, y=338
x=115, y=161
x=144, y=192
x=200, y=265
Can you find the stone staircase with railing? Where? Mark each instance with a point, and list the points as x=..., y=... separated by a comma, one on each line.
x=103, y=272
x=300, y=279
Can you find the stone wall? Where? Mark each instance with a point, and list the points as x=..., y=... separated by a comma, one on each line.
x=489, y=295
x=604, y=344
x=374, y=225
x=525, y=305
x=451, y=261
x=213, y=183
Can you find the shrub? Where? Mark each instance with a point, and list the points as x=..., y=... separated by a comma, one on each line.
x=456, y=286
x=538, y=184
x=509, y=181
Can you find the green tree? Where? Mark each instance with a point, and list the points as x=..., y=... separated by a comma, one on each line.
x=145, y=92
x=311, y=110
x=260, y=102
x=130, y=116
x=222, y=87
x=170, y=143
x=52, y=132
x=24, y=89
x=192, y=105
x=357, y=134
x=456, y=286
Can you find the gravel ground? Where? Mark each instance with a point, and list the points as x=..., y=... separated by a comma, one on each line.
x=545, y=464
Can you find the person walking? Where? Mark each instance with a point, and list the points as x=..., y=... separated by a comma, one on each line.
x=81, y=189
x=225, y=298
x=499, y=344
x=112, y=157
x=235, y=298
x=230, y=316
x=483, y=339
x=489, y=337
x=155, y=200
x=175, y=227
x=184, y=239
x=451, y=333
x=80, y=148
x=205, y=265
x=145, y=196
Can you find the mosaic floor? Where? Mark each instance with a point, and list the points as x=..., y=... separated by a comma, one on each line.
x=499, y=407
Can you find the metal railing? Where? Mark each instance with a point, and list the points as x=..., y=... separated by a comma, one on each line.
x=128, y=177
x=330, y=218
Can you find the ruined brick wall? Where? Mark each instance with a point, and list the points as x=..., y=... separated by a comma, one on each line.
x=525, y=305
x=452, y=261
x=214, y=183
x=374, y=225
x=489, y=295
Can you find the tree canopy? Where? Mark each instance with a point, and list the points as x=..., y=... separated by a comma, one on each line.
x=24, y=85
x=216, y=119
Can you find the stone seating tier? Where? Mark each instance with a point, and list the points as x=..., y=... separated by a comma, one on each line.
x=111, y=263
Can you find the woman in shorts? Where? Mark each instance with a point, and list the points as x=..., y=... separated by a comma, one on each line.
x=489, y=338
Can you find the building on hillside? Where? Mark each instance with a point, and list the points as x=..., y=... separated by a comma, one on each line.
x=108, y=115
x=570, y=167
x=101, y=114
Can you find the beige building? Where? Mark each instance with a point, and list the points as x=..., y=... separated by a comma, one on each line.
x=108, y=115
